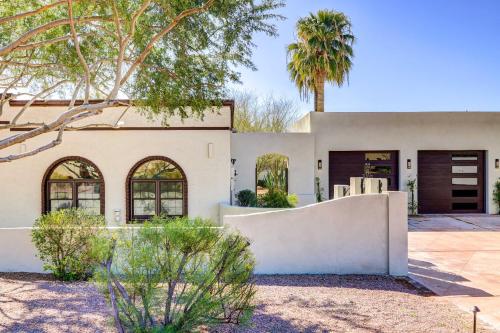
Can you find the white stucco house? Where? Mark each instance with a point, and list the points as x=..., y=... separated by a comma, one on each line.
x=189, y=167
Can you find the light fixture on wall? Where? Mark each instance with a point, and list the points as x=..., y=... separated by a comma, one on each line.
x=320, y=164
x=233, y=161
x=210, y=150
x=408, y=163
x=497, y=163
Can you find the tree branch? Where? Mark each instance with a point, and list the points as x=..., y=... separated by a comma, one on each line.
x=42, y=9
x=147, y=50
x=79, y=52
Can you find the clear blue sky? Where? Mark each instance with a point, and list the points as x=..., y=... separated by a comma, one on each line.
x=410, y=55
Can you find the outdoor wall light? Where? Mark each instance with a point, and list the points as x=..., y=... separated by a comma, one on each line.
x=320, y=164
x=210, y=150
x=497, y=163
x=117, y=213
x=408, y=163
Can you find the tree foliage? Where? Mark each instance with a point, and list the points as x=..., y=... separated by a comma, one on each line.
x=166, y=55
x=268, y=114
x=176, y=276
x=323, y=52
x=64, y=241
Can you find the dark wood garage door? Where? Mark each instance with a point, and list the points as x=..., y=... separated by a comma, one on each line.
x=376, y=164
x=450, y=182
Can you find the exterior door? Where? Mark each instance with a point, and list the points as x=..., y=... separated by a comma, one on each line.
x=451, y=182
x=373, y=164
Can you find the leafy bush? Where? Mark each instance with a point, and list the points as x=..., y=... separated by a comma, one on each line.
x=277, y=199
x=496, y=194
x=176, y=275
x=246, y=198
x=64, y=242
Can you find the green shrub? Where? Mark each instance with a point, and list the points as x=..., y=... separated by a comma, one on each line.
x=277, y=199
x=64, y=242
x=496, y=194
x=246, y=198
x=176, y=276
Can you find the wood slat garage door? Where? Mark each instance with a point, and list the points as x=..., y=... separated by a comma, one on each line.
x=450, y=182
x=376, y=164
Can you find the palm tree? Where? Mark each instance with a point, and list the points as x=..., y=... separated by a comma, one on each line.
x=322, y=53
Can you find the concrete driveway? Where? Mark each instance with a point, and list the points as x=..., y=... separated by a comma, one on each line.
x=458, y=257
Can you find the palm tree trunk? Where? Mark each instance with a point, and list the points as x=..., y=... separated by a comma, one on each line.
x=319, y=95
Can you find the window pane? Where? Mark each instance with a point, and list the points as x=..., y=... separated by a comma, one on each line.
x=143, y=190
x=464, y=169
x=91, y=206
x=171, y=190
x=380, y=169
x=464, y=181
x=61, y=191
x=171, y=207
x=157, y=169
x=144, y=207
x=89, y=191
x=377, y=156
x=60, y=204
x=74, y=170
x=463, y=157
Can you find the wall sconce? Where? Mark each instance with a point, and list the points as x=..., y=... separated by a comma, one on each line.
x=233, y=161
x=497, y=163
x=320, y=164
x=408, y=163
x=117, y=213
x=210, y=150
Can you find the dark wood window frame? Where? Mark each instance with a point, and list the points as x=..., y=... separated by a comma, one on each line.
x=46, y=201
x=130, y=181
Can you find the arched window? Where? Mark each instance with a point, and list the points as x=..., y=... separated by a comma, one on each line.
x=73, y=182
x=156, y=186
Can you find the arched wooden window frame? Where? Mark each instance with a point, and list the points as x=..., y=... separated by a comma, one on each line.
x=128, y=184
x=54, y=165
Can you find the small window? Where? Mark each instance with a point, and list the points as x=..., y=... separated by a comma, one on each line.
x=377, y=156
x=375, y=170
x=157, y=186
x=74, y=182
x=464, y=169
x=463, y=157
x=464, y=181
x=464, y=206
x=464, y=193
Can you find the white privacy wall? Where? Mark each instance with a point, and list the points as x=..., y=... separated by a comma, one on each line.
x=364, y=234
x=114, y=153
x=407, y=132
x=298, y=147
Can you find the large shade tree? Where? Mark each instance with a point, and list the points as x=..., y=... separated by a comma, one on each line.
x=323, y=53
x=165, y=55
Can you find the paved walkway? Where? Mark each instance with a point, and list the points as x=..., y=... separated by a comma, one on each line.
x=458, y=257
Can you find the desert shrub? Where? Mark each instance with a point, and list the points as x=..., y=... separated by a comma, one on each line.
x=246, y=198
x=64, y=242
x=176, y=276
x=277, y=199
x=496, y=194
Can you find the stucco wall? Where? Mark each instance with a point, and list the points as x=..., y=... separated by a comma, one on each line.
x=133, y=117
x=298, y=147
x=407, y=132
x=114, y=153
x=225, y=209
x=364, y=234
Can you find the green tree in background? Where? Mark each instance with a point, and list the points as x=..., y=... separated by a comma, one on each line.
x=170, y=57
x=268, y=114
x=322, y=53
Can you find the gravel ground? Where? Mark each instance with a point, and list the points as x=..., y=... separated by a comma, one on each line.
x=314, y=303
x=330, y=303
x=36, y=303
